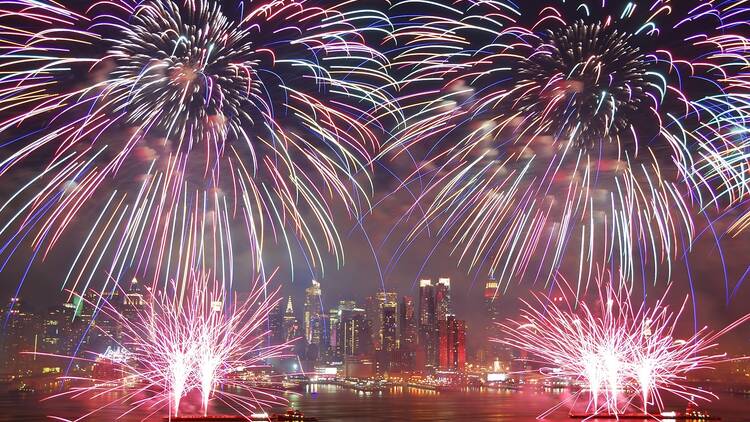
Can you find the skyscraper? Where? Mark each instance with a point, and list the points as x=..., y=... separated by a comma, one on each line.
x=408, y=334
x=373, y=314
x=492, y=351
x=336, y=327
x=354, y=333
x=390, y=327
x=426, y=302
x=291, y=325
x=374, y=311
x=443, y=298
x=313, y=310
x=276, y=324
x=21, y=327
x=427, y=324
x=407, y=323
x=491, y=301
x=333, y=332
x=452, y=343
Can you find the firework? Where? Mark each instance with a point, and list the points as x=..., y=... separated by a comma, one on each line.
x=172, y=347
x=594, y=129
x=150, y=110
x=624, y=356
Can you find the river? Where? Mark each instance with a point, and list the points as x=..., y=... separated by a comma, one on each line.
x=335, y=404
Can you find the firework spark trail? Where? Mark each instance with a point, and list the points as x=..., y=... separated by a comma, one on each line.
x=625, y=356
x=199, y=343
x=596, y=128
x=271, y=112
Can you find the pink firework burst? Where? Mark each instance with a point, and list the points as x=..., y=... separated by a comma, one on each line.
x=625, y=356
x=200, y=341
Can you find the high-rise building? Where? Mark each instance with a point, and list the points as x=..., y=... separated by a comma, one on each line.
x=390, y=327
x=333, y=331
x=276, y=324
x=426, y=302
x=374, y=310
x=20, y=331
x=407, y=354
x=491, y=302
x=324, y=347
x=336, y=332
x=291, y=324
x=443, y=298
x=492, y=351
x=312, y=312
x=373, y=314
x=407, y=323
x=347, y=305
x=427, y=325
x=452, y=344
x=354, y=333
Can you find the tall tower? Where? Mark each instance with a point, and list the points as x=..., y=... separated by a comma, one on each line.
x=408, y=323
x=313, y=310
x=426, y=302
x=452, y=344
x=427, y=323
x=390, y=327
x=291, y=325
x=374, y=315
x=276, y=324
x=443, y=298
x=491, y=300
x=354, y=334
x=374, y=308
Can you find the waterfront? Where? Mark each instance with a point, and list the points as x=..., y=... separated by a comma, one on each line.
x=335, y=404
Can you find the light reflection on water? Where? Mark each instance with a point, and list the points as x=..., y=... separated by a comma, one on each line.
x=334, y=404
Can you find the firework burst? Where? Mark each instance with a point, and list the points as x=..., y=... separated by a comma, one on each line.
x=173, y=346
x=130, y=112
x=595, y=128
x=626, y=357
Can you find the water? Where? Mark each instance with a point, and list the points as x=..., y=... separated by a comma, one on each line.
x=334, y=404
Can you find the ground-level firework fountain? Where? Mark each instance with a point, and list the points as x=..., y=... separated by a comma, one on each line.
x=200, y=344
x=625, y=357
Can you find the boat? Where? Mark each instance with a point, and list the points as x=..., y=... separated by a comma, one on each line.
x=292, y=415
x=691, y=415
x=211, y=418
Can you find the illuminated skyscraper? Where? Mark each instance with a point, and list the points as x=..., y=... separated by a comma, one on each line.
x=333, y=327
x=491, y=302
x=408, y=323
x=313, y=310
x=390, y=327
x=407, y=355
x=291, y=325
x=354, y=334
x=427, y=325
x=276, y=324
x=18, y=336
x=492, y=351
x=443, y=298
x=426, y=302
x=374, y=310
x=452, y=344
x=373, y=314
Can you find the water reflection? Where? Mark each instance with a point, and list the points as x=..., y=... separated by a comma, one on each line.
x=333, y=404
